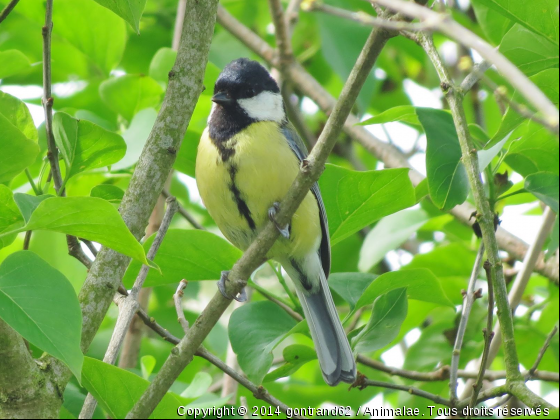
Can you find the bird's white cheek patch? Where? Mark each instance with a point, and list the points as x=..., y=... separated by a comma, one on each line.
x=266, y=106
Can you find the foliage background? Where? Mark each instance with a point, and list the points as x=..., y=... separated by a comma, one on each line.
x=112, y=79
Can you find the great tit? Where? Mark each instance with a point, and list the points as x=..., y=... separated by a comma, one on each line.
x=248, y=157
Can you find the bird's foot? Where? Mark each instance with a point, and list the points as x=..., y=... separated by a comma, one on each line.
x=284, y=231
x=241, y=297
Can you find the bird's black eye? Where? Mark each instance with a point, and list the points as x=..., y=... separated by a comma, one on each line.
x=250, y=92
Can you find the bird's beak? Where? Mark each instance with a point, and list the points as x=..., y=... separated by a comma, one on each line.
x=221, y=98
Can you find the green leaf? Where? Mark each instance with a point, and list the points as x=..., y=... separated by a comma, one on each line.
x=18, y=114
x=162, y=63
x=135, y=137
x=189, y=254
x=199, y=385
x=403, y=113
x=554, y=239
x=545, y=186
x=547, y=82
x=534, y=149
x=30, y=290
x=447, y=177
x=147, y=364
x=85, y=145
x=254, y=330
x=295, y=356
x=485, y=157
x=387, y=315
x=388, y=234
x=494, y=25
x=103, y=43
x=350, y=286
x=354, y=200
x=28, y=203
x=129, y=10
x=10, y=216
x=530, y=52
x=128, y=94
x=13, y=62
x=86, y=217
x=18, y=152
x=422, y=190
x=111, y=193
x=118, y=390
x=420, y=284
x=539, y=16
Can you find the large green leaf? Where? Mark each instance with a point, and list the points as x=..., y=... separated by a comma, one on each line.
x=162, y=63
x=387, y=315
x=388, y=234
x=18, y=152
x=39, y=303
x=254, y=330
x=129, y=10
x=402, y=113
x=10, y=216
x=350, y=286
x=420, y=284
x=539, y=16
x=18, y=114
x=86, y=217
x=545, y=186
x=85, y=145
x=12, y=62
x=547, y=81
x=27, y=203
x=494, y=25
x=108, y=192
x=187, y=254
x=529, y=51
x=354, y=200
x=447, y=177
x=128, y=94
x=118, y=390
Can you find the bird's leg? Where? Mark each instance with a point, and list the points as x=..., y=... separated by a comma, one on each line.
x=242, y=297
x=284, y=231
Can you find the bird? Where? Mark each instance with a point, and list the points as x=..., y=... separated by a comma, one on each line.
x=247, y=159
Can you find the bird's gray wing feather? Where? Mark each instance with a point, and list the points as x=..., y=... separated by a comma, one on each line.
x=299, y=149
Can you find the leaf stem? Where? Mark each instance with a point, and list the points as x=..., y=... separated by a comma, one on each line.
x=36, y=190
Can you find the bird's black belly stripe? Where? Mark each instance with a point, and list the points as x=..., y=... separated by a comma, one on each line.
x=302, y=277
x=241, y=204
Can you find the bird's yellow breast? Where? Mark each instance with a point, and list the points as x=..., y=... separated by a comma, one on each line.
x=240, y=185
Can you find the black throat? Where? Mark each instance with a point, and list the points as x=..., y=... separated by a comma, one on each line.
x=225, y=123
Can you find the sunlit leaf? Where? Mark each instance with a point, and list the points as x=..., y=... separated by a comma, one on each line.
x=129, y=10
x=18, y=152
x=12, y=62
x=350, y=286
x=18, y=114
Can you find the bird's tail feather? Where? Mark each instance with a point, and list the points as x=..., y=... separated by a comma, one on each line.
x=333, y=350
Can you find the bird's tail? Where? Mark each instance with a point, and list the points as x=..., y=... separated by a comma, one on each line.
x=333, y=350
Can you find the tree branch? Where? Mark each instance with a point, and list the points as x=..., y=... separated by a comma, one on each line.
x=452, y=29
x=542, y=351
x=255, y=255
x=390, y=155
x=6, y=11
x=485, y=218
x=181, y=210
x=469, y=298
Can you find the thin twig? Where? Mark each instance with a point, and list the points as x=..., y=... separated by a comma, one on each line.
x=181, y=210
x=6, y=11
x=465, y=37
x=474, y=76
x=365, y=19
x=469, y=298
x=76, y=251
x=128, y=305
x=255, y=255
x=391, y=156
x=542, y=351
x=292, y=15
x=282, y=36
x=178, y=305
x=90, y=246
x=488, y=335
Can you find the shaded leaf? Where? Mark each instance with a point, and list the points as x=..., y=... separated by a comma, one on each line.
x=12, y=62
x=254, y=330
x=135, y=137
x=350, y=286
x=147, y=364
x=545, y=186
x=198, y=386
x=403, y=113
x=162, y=63
x=28, y=203
x=129, y=10
x=447, y=177
x=189, y=254
x=354, y=200
x=10, y=216
x=485, y=157
x=29, y=290
x=388, y=313
x=108, y=192
x=295, y=356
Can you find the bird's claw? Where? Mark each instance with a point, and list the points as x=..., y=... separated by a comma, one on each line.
x=284, y=231
x=241, y=297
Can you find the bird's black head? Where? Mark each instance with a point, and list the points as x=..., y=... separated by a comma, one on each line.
x=244, y=93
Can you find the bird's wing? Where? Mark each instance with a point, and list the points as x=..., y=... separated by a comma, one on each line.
x=299, y=149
